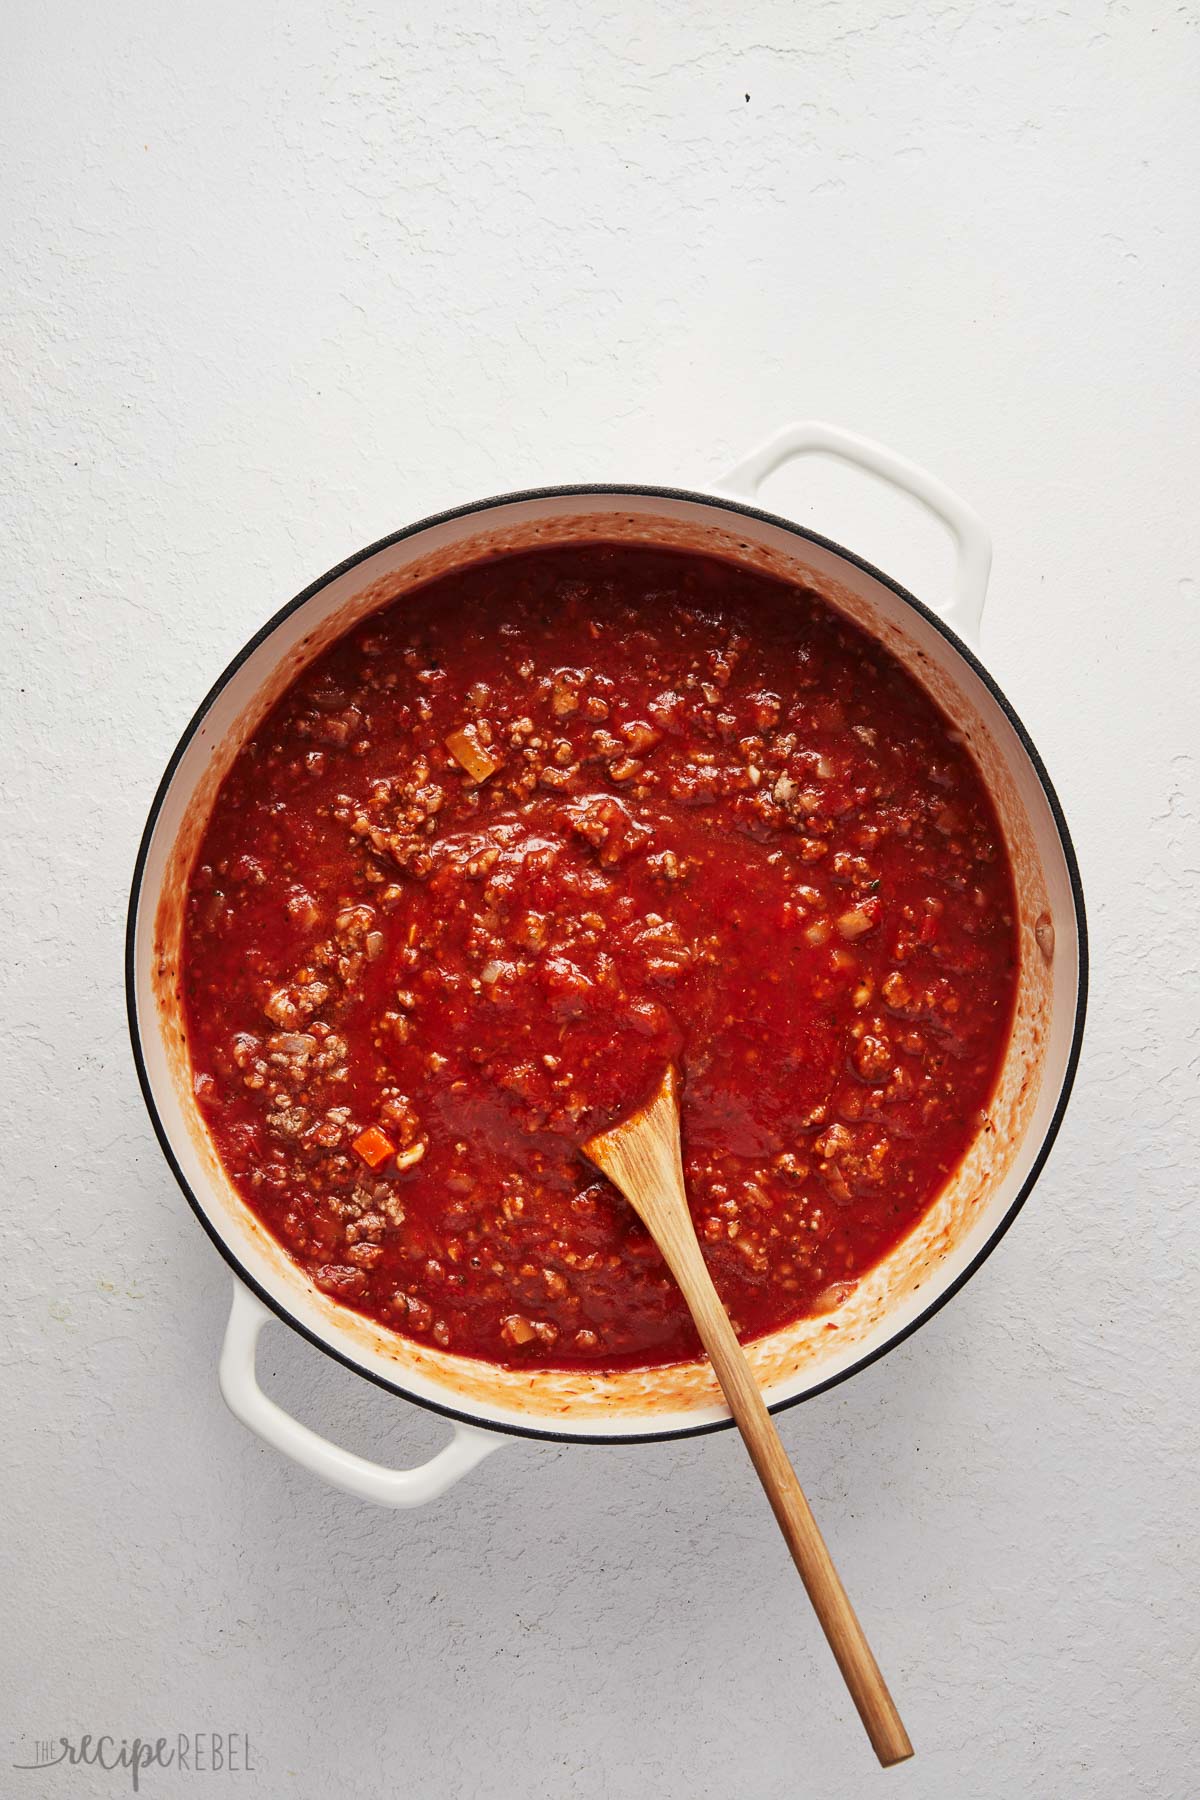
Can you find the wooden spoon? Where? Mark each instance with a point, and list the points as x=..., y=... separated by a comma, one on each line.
x=642, y=1158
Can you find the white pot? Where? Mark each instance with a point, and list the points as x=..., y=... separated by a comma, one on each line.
x=488, y=1403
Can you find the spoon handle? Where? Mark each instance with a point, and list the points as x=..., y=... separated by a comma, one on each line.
x=860, y=1671
x=643, y=1158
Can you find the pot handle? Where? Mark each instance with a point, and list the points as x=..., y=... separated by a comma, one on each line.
x=353, y=1474
x=972, y=540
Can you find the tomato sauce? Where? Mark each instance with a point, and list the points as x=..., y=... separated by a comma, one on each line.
x=522, y=838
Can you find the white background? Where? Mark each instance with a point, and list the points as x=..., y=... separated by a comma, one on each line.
x=279, y=278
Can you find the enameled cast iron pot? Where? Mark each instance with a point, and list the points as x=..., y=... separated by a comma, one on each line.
x=488, y=1403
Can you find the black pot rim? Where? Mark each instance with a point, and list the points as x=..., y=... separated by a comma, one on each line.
x=581, y=490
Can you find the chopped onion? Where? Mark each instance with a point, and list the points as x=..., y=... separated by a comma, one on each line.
x=854, y=923
x=831, y=1297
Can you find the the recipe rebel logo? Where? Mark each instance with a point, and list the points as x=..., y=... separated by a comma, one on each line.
x=186, y=1752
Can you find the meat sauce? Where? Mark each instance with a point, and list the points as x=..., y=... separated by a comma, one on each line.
x=524, y=837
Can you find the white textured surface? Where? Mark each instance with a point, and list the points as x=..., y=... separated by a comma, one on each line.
x=279, y=278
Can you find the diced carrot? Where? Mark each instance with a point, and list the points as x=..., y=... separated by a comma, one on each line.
x=465, y=747
x=373, y=1146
